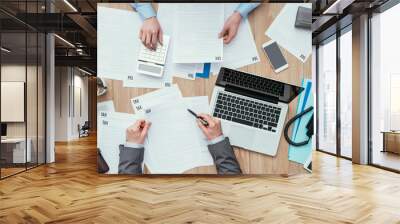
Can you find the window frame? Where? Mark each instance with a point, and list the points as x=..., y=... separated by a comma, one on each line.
x=334, y=37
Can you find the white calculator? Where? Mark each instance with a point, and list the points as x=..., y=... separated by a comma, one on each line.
x=151, y=62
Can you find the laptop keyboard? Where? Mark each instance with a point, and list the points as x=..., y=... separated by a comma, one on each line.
x=253, y=82
x=247, y=112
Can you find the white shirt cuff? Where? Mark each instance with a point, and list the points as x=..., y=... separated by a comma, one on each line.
x=133, y=145
x=216, y=140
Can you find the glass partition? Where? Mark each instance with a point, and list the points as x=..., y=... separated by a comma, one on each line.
x=327, y=96
x=385, y=90
x=31, y=99
x=13, y=93
x=346, y=93
x=22, y=77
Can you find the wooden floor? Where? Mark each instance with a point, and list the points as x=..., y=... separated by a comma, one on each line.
x=386, y=159
x=70, y=191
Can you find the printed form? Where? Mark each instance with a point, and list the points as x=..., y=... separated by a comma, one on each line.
x=113, y=127
x=116, y=42
x=196, y=33
x=175, y=143
x=166, y=94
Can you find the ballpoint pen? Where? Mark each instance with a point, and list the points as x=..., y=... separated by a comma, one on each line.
x=204, y=122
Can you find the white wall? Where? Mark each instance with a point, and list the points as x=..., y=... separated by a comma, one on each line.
x=50, y=93
x=61, y=103
x=69, y=81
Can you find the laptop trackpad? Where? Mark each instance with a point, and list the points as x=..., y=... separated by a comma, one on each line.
x=241, y=137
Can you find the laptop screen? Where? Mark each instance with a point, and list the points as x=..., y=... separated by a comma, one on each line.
x=258, y=86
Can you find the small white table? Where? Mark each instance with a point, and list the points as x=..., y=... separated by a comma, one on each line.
x=18, y=150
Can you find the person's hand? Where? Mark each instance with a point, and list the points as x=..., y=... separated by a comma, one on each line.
x=137, y=132
x=151, y=33
x=213, y=130
x=230, y=28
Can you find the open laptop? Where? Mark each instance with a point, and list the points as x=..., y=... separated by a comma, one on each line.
x=252, y=109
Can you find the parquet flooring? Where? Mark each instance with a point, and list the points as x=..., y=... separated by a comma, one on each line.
x=71, y=191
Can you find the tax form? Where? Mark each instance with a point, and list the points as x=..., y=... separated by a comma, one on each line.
x=105, y=106
x=117, y=48
x=196, y=33
x=112, y=129
x=166, y=94
x=175, y=143
x=166, y=19
x=242, y=50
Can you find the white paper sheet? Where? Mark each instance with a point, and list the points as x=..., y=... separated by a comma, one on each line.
x=166, y=17
x=105, y=106
x=167, y=94
x=282, y=30
x=112, y=128
x=199, y=104
x=175, y=143
x=242, y=50
x=117, y=45
x=196, y=33
x=138, y=80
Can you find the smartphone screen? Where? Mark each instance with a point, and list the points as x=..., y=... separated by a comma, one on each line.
x=275, y=55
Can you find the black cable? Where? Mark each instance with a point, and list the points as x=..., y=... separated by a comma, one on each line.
x=309, y=128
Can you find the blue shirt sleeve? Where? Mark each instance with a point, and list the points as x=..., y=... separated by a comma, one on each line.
x=245, y=8
x=145, y=10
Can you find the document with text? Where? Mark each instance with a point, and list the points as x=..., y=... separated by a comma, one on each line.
x=166, y=94
x=112, y=128
x=166, y=19
x=242, y=50
x=196, y=33
x=175, y=143
x=117, y=60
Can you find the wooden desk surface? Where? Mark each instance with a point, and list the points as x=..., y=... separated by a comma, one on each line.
x=250, y=162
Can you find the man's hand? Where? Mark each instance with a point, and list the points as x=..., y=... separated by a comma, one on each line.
x=213, y=130
x=137, y=132
x=230, y=28
x=151, y=33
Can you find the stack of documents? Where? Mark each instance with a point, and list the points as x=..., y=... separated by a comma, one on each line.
x=193, y=29
x=234, y=55
x=156, y=97
x=174, y=142
x=118, y=49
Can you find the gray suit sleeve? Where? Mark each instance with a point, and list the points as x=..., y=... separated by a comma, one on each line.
x=130, y=160
x=224, y=157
